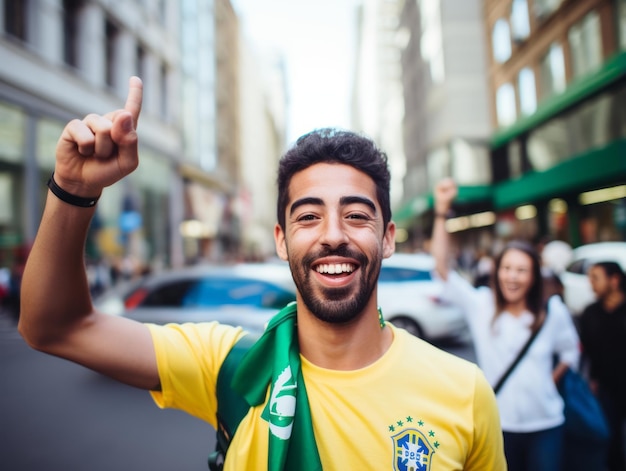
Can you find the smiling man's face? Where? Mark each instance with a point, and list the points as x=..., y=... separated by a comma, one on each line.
x=334, y=240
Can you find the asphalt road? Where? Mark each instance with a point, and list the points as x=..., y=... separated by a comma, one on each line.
x=59, y=416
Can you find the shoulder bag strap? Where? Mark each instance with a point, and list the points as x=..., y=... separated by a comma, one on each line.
x=519, y=357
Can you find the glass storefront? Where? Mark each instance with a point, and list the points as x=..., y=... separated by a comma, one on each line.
x=591, y=125
x=145, y=192
x=12, y=141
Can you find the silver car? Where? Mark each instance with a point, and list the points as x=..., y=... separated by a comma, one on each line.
x=246, y=295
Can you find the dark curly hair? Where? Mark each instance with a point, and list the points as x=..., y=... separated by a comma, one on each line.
x=332, y=145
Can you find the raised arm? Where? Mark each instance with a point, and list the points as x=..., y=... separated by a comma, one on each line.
x=445, y=192
x=56, y=314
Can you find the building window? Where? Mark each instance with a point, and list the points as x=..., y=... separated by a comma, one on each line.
x=520, y=23
x=506, y=109
x=514, y=156
x=48, y=132
x=111, y=33
x=162, y=11
x=438, y=164
x=527, y=91
x=621, y=12
x=164, y=91
x=549, y=144
x=553, y=79
x=16, y=18
x=7, y=212
x=71, y=18
x=140, y=59
x=469, y=163
x=12, y=133
x=585, y=43
x=593, y=124
x=501, y=41
x=432, y=39
x=544, y=8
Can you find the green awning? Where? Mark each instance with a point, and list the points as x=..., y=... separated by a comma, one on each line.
x=595, y=168
x=422, y=203
x=612, y=70
x=413, y=208
x=474, y=194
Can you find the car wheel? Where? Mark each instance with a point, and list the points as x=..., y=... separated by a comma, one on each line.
x=408, y=324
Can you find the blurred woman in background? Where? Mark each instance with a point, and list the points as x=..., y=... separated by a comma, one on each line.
x=501, y=319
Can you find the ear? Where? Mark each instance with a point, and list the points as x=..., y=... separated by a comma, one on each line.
x=279, y=240
x=389, y=240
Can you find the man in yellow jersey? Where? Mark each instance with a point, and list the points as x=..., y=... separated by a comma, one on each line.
x=330, y=384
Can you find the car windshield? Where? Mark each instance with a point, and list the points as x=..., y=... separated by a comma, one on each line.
x=397, y=274
x=579, y=267
x=209, y=292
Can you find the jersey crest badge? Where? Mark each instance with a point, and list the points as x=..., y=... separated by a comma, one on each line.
x=412, y=451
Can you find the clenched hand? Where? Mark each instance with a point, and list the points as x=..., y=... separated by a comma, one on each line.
x=98, y=151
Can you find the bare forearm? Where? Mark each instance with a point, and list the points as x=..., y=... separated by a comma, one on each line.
x=559, y=371
x=444, y=193
x=55, y=293
x=440, y=246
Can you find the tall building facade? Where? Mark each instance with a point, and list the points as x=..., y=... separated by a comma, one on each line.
x=210, y=165
x=447, y=121
x=377, y=102
x=263, y=113
x=63, y=59
x=526, y=115
x=558, y=77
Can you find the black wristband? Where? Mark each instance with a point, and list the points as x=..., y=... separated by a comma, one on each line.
x=70, y=198
x=447, y=215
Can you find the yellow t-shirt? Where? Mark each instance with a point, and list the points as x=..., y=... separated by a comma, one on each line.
x=417, y=408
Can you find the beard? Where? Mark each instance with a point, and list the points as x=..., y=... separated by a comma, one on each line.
x=336, y=305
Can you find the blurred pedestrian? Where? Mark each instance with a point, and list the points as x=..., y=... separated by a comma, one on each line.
x=483, y=272
x=556, y=255
x=603, y=335
x=368, y=395
x=552, y=285
x=501, y=322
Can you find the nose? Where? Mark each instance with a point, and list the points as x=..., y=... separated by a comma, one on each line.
x=334, y=233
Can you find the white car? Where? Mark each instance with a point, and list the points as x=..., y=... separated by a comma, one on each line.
x=577, y=289
x=411, y=298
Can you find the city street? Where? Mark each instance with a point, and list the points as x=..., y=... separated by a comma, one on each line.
x=58, y=416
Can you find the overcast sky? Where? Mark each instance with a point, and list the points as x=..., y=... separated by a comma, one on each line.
x=317, y=39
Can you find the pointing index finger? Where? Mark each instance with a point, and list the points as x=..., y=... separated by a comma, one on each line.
x=135, y=96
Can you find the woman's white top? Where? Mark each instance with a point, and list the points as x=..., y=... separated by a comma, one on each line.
x=528, y=401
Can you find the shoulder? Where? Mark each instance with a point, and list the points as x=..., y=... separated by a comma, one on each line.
x=196, y=330
x=590, y=311
x=438, y=363
x=458, y=382
x=205, y=341
x=558, y=310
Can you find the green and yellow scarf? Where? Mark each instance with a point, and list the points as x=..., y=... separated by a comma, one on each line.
x=275, y=360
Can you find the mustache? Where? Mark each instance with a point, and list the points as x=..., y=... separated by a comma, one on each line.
x=342, y=251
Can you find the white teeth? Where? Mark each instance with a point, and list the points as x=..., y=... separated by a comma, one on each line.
x=335, y=268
